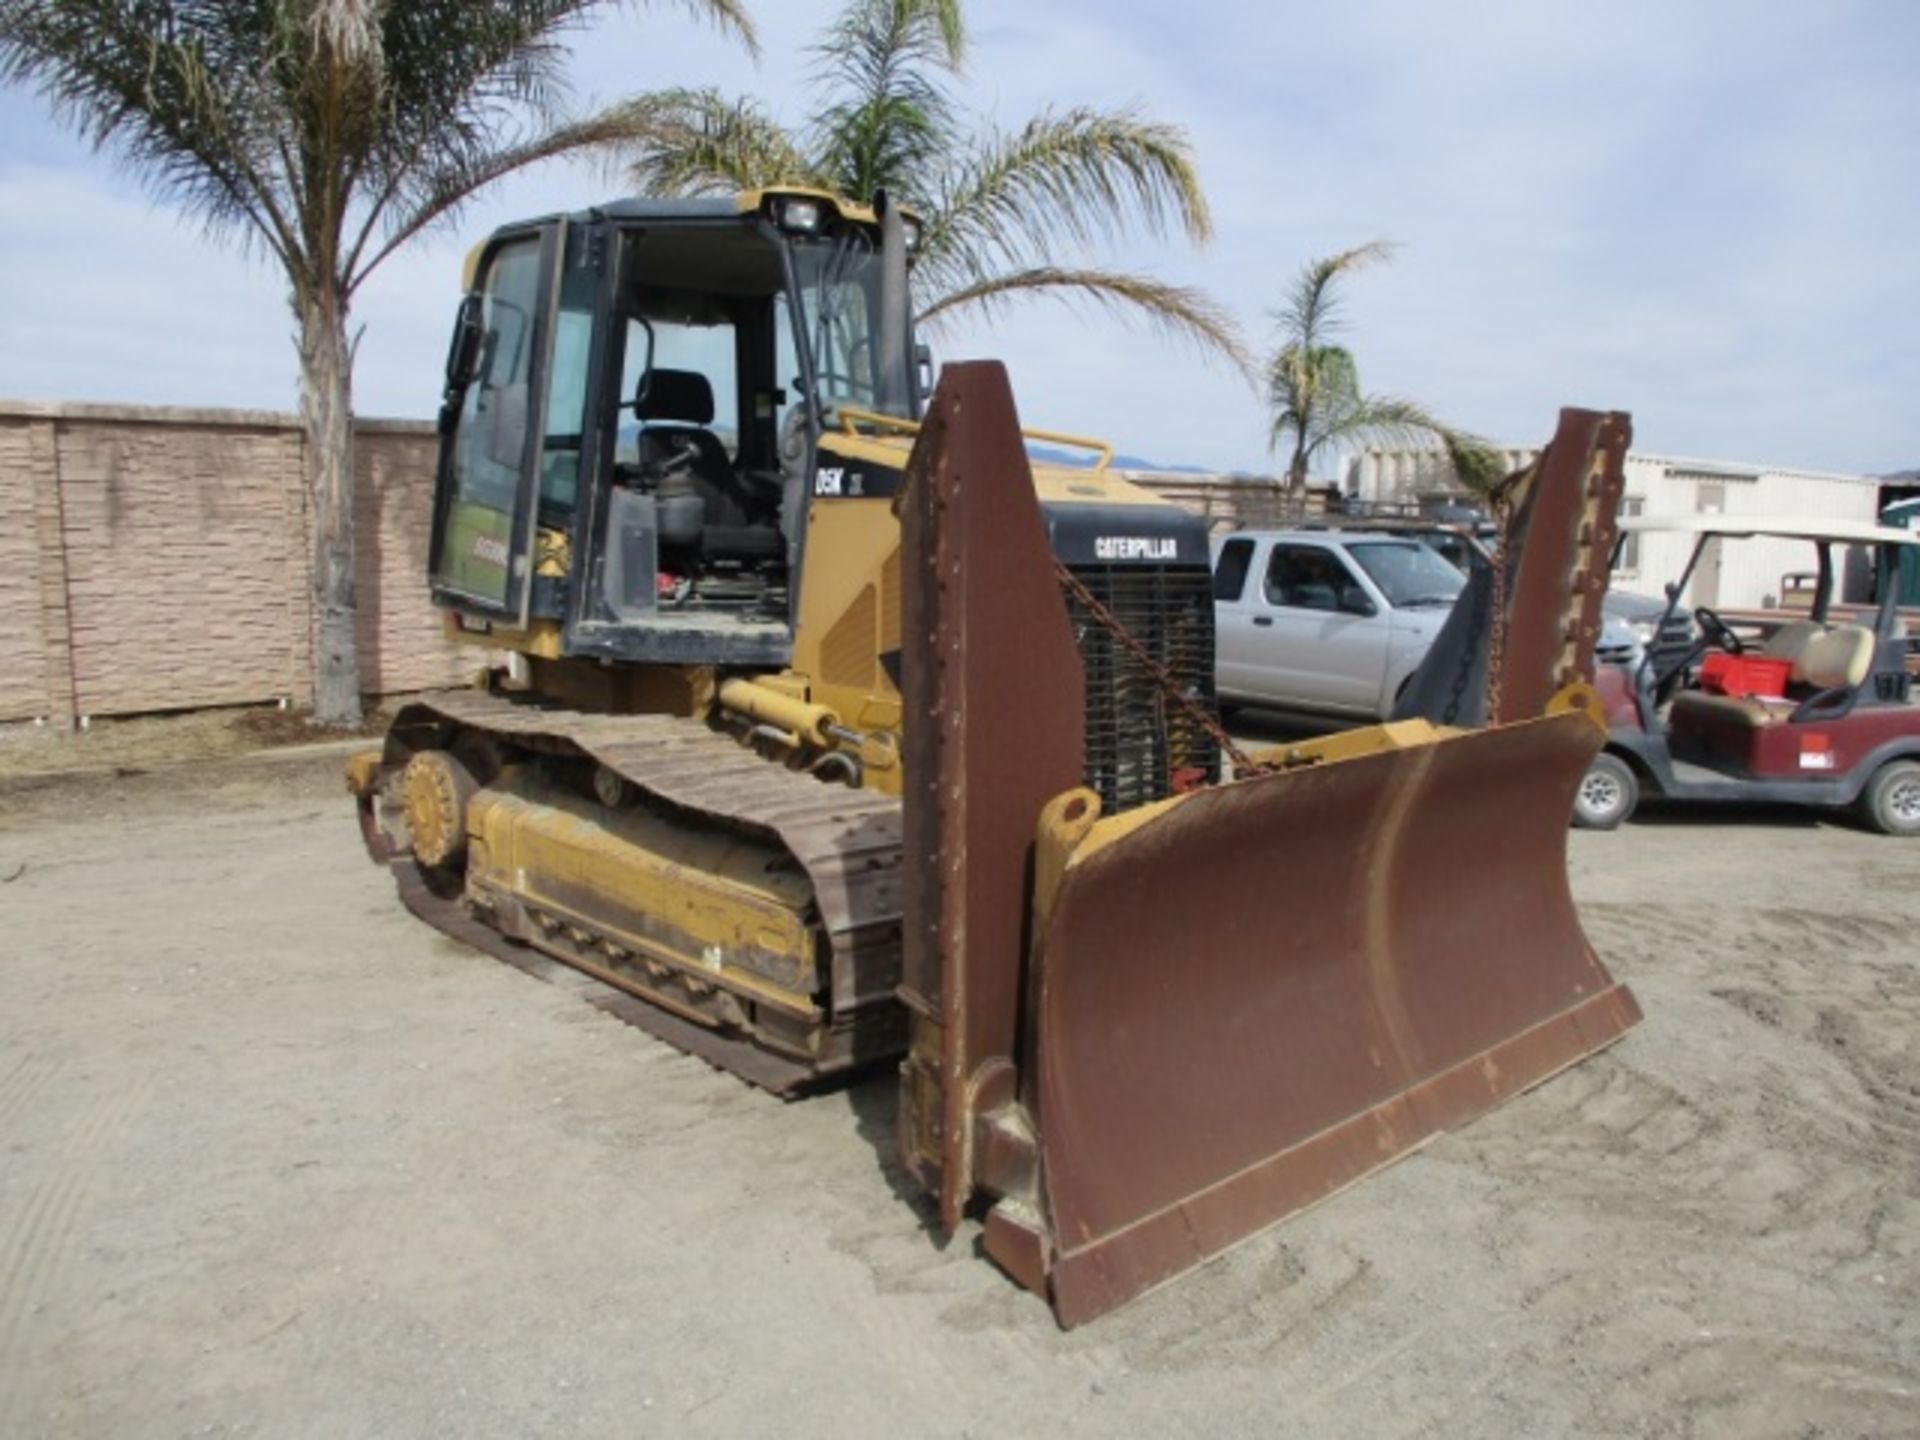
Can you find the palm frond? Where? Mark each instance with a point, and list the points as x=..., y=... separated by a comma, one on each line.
x=1390, y=420
x=1312, y=311
x=1383, y=419
x=1305, y=383
x=871, y=44
x=1313, y=386
x=1358, y=420
x=305, y=122
x=152, y=93
x=885, y=143
x=889, y=119
x=1079, y=175
x=697, y=142
x=1477, y=463
x=450, y=183
x=1174, y=309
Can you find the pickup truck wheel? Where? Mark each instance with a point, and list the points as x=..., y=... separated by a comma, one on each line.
x=1891, y=801
x=1607, y=794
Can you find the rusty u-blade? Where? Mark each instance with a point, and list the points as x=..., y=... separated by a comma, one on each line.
x=1145, y=1036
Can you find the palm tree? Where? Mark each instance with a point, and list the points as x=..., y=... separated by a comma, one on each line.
x=1313, y=385
x=326, y=133
x=997, y=206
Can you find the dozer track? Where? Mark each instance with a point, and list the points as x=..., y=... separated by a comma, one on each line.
x=739, y=910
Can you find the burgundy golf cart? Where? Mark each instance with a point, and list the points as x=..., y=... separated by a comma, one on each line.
x=1816, y=713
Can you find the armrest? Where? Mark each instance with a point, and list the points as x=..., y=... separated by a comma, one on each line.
x=1831, y=704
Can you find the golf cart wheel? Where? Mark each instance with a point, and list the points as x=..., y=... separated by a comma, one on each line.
x=1607, y=794
x=1891, y=801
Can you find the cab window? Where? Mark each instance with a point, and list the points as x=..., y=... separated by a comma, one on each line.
x=1408, y=573
x=1230, y=570
x=489, y=451
x=566, y=399
x=1306, y=577
x=708, y=347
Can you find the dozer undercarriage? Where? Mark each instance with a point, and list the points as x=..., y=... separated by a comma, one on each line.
x=756, y=907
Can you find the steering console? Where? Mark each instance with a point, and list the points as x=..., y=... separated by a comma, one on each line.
x=1718, y=632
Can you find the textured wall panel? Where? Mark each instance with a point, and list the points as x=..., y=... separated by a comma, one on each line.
x=160, y=559
x=23, y=652
x=184, y=581
x=403, y=644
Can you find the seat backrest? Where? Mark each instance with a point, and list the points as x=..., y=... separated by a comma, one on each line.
x=674, y=408
x=1841, y=657
x=681, y=396
x=1791, y=639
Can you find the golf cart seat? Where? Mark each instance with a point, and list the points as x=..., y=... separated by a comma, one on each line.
x=1791, y=639
x=1839, y=659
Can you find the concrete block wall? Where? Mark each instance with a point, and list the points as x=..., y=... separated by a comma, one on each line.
x=158, y=559
x=32, y=631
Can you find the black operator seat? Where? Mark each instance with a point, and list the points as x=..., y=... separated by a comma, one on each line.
x=674, y=408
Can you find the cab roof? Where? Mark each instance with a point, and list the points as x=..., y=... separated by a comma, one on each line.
x=744, y=202
x=703, y=208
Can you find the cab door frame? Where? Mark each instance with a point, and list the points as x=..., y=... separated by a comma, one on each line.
x=512, y=607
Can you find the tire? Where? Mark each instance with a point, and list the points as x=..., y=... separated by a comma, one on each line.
x=1891, y=801
x=1607, y=795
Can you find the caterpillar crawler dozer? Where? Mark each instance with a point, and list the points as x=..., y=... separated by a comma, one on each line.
x=820, y=728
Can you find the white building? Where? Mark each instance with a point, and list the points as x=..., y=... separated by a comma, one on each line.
x=1750, y=575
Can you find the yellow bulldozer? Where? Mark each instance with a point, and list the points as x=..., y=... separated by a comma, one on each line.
x=820, y=728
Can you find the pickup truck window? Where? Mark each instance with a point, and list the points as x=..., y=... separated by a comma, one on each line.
x=1230, y=570
x=1306, y=577
x=1408, y=573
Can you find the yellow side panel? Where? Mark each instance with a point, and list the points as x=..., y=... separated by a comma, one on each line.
x=890, y=601
x=846, y=606
x=848, y=655
x=850, y=584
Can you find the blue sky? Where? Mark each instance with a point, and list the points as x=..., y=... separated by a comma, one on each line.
x=1705, y=213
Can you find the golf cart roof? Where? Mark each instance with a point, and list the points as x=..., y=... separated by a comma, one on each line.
x=1795, y=527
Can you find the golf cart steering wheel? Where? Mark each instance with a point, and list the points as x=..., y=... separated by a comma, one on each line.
x=1718, y=632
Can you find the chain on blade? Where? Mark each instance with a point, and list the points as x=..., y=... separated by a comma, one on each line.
x=1497, y=636
x=1243, y=764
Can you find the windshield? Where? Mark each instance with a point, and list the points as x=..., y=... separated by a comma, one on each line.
x=840, y=305
x=1407, y=572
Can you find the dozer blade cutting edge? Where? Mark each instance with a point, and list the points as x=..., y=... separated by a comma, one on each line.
x=1144, y=1037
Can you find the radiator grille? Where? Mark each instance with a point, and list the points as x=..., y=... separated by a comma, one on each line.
x=1140, y=743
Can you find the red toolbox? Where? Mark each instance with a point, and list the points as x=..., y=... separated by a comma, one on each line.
x=1723, y=674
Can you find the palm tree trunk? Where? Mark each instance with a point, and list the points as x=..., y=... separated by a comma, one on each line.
x=326, y=411
x=1297, y=473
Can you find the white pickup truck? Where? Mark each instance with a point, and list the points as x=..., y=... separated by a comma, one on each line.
x=1330, y=621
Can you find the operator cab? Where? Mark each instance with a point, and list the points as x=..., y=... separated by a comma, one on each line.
x=633, y=402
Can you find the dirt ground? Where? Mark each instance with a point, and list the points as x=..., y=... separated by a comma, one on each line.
x=138, y=743
x=277, y=1160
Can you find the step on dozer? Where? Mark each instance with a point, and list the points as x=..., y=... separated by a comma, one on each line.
x=1139, y=1038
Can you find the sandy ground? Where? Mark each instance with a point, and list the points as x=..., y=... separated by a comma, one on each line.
x=139, y=743
x=277, y=1160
